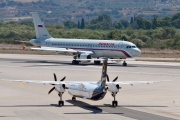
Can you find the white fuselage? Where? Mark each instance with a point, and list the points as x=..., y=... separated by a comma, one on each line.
x=87, y=90
x=100, y=48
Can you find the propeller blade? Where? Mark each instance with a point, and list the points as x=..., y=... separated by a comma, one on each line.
x=63, y=78
x=117, y=86
x=51, y=90
x=64, y=86
x=55, y=78
x=107, y=77
x=115, y=79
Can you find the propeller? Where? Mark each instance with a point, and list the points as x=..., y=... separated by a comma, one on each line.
x=113, y=80
x=55, y=79
x=63, y=78
x=107, y=78
x=51, y=90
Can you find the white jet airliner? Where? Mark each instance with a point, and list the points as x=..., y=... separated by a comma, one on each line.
x=83, y=49
x=87, y=90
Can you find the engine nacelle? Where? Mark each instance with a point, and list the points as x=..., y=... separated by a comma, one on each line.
x=84, y=56
x=60, y=88
x=113, y=87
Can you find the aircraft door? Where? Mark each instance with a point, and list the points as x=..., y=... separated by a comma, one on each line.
x=120, y=45
x=47, y=43
x=89, y=46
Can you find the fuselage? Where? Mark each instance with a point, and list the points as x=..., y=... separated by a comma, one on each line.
x=87, y=90
x=100, y=48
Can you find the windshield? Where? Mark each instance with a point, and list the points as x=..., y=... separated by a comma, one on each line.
x=131, y=47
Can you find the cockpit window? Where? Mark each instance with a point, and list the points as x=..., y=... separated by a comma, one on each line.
x=133, y=46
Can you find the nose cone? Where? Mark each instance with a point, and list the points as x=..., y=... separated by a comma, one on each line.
x=31, y=41
x=136, y=52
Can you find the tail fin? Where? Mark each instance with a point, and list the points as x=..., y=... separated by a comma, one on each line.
x=102, y=82
x=41, y=31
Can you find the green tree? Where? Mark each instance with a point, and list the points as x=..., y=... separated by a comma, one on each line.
x=143, y=24
x=175, y=17
x=176, y=23
x=125, y=23
x=79, y=25
x=70, y=24
x=101, y=22
x=154, y=23
x=82, y=23
x=132, y=20
x=119, y=25
x=140, y=23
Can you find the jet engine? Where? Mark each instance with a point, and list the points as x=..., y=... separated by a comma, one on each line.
x=84, y=56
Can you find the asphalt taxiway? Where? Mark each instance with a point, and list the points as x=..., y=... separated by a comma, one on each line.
x=21, y=101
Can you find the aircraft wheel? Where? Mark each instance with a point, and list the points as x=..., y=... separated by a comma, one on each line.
x=124, y=64
x=114, y=103
x=73, y=98
x=61, y=103
x=97, y=62
x=75, y=62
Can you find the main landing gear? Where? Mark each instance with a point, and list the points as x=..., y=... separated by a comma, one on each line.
x=74, y=98
x=124, y=63
x=114, y=103
x=97, y=62
x=61, y=102
x=75, y=62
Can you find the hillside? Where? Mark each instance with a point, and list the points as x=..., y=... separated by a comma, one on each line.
x=57, y=11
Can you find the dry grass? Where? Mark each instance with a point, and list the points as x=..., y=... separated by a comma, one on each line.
x=155, y=53
x=152, y=53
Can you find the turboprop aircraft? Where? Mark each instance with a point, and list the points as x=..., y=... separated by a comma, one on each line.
x=87, y=90
x=83, y=50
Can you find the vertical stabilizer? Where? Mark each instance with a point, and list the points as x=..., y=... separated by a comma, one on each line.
x=41, y=31
x=102, y=82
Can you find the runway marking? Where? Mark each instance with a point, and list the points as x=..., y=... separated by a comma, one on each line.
x=21, y=84
x=110, y=71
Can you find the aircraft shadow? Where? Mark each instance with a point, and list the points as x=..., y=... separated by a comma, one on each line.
x=119, y=110
x=86, y=106
x=64, y=63
x=98, y=109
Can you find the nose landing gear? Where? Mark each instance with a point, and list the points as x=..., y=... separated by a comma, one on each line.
x=61, y=102
x=74, y=98
x=114, y=103
x=124, y=63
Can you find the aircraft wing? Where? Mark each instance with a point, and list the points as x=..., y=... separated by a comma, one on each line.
x=135, y=82
x=67, y=82
x=36, y=81
x=63, y=50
